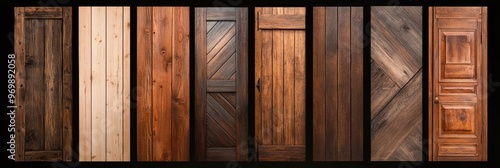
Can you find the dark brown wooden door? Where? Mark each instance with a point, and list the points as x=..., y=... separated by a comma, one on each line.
x=458, y=65
x=44, y=83
x=221, y=84
x=280, y=84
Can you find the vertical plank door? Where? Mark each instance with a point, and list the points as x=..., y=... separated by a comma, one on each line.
x=338, y=84
x=163, y=84
x=458, y=83
x=221, y=84
x=280, y=83
x=396, y=83
x=104, y=83
x=44, y=83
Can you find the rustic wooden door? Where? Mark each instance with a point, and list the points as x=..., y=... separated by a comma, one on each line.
x=221, y=84
x=280, y=84
x=104, y=83
x=163, y=84
x=338, y=84
x=44, y=83
x=458, y=83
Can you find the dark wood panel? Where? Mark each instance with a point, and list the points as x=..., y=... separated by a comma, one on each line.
x=20, y=51
x=43, y=12
x=357, y=83
x=331, y=86
x=44, y=155
x=319, y=102
x=290, y=153
x=200, y=83
x=67, y=83
x=220, y=154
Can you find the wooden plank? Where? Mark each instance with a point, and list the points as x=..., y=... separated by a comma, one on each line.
x=227, y=69
x=290, y=153
x=484, y=92
x=53, y=85
x=67, y=82
x=224, y=54
x=267, y=84
x=229, y=37
x=383, y=89
x=357, y=84
x=43, y=12
x=126, y=84
x=289, y=83
x=300, y=83
x=180, y=85
x=458, y=12
x=319, y=53
x=85, y=84
x=98, y=78
x=162, y=83
x=221, y=154
x=277, y=87
x=220, y=14
x=44, y=155
x=280, y=21
x=220, y=29
x=221, y=86
x=144, y=84
x=242, y=83
x=20, y=52
x=258, y=75
x=331, y=84
x=35, y=62
x=344, y=62
x=200, y=82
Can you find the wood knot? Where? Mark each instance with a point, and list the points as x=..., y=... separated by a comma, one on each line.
x=405, y=28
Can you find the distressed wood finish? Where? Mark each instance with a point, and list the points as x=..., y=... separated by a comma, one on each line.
x=221, y=84
x=396, y=84
x=104, y=63
x=458, y=83
x=163, y=84
x=44, y=99
x=280, y=74
x=338, y=84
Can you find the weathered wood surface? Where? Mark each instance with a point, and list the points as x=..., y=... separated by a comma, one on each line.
x=396, y=84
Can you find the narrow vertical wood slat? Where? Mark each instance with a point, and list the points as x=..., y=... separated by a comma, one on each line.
x=300, y=83
x=289, y=83
x=200, y=68
x=162, y=83
x=430, y=82
x=53, y=85
x=67, y=81
x=20, y=52
x=114, y=83
x=258, y=75
x=98, y=77
x=319, y=143
x=267, y=85
x=357, y=84
x=180, y=85
x=126, y=84
x=278, y=115
x=344, y=63
x=242, y=83
x=484, y=81
x=331, y=86
x=85, y=85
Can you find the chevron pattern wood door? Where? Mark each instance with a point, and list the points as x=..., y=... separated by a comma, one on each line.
x=396, y=84
x=280, y=84
x=44, y=83
x=458, y=83
x=163, y=84
x=221, y=84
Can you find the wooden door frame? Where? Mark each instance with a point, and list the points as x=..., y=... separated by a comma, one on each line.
x=65, y=14
x=482, y=82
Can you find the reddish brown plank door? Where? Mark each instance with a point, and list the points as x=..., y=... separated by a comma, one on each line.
x=338, y=84
x=458, y=83
x=280, y=84
x=221, y=84
x=163, y=84
x=44, y=83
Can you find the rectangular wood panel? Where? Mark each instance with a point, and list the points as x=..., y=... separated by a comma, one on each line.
x=44, y=83
x=338, y=84
x=221, y=84
x=458, y=89
x=396, y=84
x=163, y=83
x=280, y=83
x=104, y=62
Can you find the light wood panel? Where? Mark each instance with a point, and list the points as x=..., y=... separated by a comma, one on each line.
x=104, y=55
x=396, y=84
x=338, y=84
x=44, y=84
x=163, y=83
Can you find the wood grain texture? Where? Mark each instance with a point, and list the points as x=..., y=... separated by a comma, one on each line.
x=457, y=61
x=396, y=84
x=104, y=55
x=44, y=67
x=221, y=75
x=338, y=84
x=163, y=61
x=280, y=52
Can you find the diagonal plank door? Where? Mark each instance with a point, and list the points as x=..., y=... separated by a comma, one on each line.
x=221, y=84
x=280, y=84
